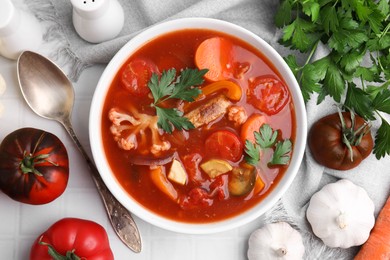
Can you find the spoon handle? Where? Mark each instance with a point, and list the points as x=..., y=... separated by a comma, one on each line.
x=120, y=218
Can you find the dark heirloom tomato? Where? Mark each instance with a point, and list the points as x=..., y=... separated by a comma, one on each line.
x=75, y=238
x=329, y=146
x=34, y=166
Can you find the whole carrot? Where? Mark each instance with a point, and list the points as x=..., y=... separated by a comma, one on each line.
x=378, y=244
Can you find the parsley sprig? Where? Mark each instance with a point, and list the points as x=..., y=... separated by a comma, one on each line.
x=168, y=86
x=352, y=30
x=265, y=138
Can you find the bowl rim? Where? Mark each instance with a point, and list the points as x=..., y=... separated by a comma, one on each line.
x=95, y=119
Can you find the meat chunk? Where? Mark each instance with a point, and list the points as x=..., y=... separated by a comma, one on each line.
x=208, y=112
x=237, y=114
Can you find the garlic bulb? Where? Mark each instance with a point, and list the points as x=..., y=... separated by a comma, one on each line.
x=276, y=241
x=341, y=214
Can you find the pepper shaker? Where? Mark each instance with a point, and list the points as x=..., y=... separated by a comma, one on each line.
x=97, y=20
x=19, y=31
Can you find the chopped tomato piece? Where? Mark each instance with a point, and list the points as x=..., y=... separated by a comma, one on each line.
x=136, y=75
x=219, y=187
x=196, y=198
x=191, y=163
x=268, y=94
x=170, y=61
x=224, y=144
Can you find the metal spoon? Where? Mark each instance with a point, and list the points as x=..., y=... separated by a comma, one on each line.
x=50, y=94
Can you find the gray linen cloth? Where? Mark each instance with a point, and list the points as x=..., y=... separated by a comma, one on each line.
x=258, y=17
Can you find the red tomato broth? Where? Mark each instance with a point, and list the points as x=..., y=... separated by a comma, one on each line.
x=135, y=179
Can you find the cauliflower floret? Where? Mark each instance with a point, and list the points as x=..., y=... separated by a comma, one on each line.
x=128, y=143
x=129, y=131
x=237, y=114
x=117, y=118
x=158, y=148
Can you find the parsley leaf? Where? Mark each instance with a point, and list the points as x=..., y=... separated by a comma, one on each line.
x=382, y=101
x=184, y=87
x=334, y=82
x=252, y=153
x=382, y=140
x=171, y=116
x=166, y=87
x=299, y=32
x=163, y=86
x=283, y=15
x=351, y=30
x=360, y=101
x=266, y=138
x=309, y=81
x=282, y=152
x=329, y=19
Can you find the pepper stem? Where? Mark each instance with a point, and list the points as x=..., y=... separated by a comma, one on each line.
x=70, y=255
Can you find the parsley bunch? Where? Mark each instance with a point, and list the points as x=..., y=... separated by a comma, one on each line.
x=168, y=86
x=352, y=30
x=265, y=138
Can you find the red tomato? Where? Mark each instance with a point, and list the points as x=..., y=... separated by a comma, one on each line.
x=136, y=75
x=219, y=187
x=329, y=146
x=191, y=163
x=268, y=94
x=82, y=238
x=34, y=166
x=224, y=144
x=170, y=61
x=196, y=198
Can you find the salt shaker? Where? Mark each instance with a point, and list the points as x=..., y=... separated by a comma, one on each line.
x=19, y=31
x=97, y=20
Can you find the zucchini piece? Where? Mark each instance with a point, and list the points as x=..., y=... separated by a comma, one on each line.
x=242, y=180
x=216, y=167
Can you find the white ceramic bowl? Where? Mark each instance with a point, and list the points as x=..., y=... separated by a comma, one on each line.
x=96, y=116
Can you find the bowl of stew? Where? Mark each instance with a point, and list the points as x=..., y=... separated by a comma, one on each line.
x=197, y=126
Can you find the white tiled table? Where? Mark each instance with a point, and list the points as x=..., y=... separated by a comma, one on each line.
x=20, y=223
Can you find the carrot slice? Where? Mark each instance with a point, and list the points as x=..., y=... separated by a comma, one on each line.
x=215, y=54
x=378, y=244
x=233, y=91
x=163, y=184
x=251, y=125
x=259, y=185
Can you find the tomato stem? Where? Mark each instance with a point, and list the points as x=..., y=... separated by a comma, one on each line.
x=27, y=165
x=352, y=137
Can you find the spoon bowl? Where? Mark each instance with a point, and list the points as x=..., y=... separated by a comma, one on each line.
x=46, y=89
x=50, y=94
